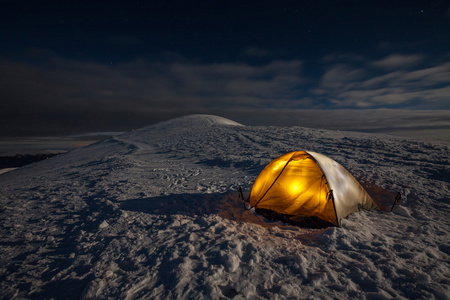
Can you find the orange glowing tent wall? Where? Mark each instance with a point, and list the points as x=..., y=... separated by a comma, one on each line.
x=305, y=183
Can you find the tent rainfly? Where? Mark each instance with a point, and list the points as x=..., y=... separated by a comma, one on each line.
x=308, y=185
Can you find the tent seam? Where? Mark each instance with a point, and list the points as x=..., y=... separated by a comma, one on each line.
x=329, y=187
x=273, y=183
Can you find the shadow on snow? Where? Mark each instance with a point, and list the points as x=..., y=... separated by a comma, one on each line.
x=226, y=205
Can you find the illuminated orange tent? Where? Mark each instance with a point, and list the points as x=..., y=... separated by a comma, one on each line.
x=306, y=184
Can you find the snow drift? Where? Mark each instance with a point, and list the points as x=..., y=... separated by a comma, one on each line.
x=153, y=213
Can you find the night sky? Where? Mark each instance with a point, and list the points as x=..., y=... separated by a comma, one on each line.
x=71, y=67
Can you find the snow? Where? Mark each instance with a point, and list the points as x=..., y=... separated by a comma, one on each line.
x=5, y=170
x=154, y=214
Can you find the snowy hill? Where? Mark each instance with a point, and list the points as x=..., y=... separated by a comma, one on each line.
x=192, y=121
x=154, y=214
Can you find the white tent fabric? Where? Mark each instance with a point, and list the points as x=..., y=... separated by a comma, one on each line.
x=349, y=196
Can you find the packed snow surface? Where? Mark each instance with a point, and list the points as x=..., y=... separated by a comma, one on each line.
x=154, y=214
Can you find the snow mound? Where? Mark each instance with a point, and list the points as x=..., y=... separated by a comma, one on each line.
x=198, y=120
x=187, y=128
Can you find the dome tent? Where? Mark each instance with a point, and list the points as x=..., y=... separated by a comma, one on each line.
x=306, y=186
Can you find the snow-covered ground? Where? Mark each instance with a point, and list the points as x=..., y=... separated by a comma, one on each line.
x=5, y=170
x=154, y=214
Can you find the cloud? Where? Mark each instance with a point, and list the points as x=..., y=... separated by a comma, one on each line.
x=425, y=124
x=340, y=77
x=366, y=86
x=234, y=80
x=85, y=95
x=429, y=76
x=64, y=96
x=396, y=61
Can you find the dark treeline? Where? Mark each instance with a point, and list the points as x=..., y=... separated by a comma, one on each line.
x=20, y=160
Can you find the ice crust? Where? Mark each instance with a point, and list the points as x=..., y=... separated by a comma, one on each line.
x=154, y=214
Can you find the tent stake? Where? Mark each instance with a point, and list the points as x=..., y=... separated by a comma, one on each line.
x=397, y=198
x=241, y=197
